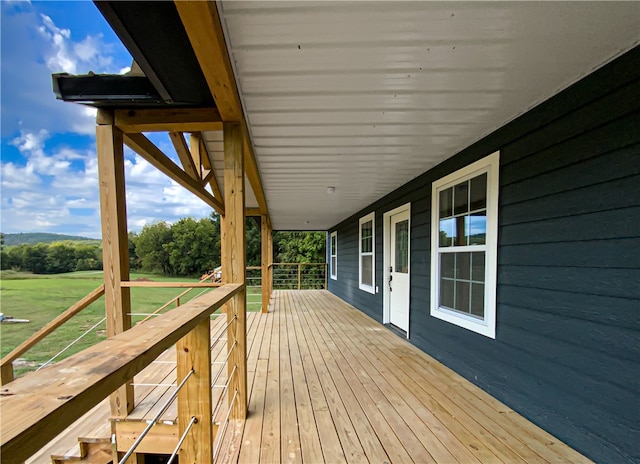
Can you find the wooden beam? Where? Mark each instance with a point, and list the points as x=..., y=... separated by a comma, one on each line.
x=185, y=155
x=161, y=120
x=194, y=400
x=37, y=407
x=196, y=153
x=252, y=212
x=154, y=156
x=215, y=187
x=235, y=257
x=115, y=246
x=253, y=173
x=203, y=26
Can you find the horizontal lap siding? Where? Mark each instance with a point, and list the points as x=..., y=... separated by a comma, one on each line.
x=567, y=348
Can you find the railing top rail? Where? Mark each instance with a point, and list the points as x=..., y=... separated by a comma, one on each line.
x=52, y=325
x=37, y=407
x=298, y=264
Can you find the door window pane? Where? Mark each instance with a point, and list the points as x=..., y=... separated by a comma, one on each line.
x=402, y=247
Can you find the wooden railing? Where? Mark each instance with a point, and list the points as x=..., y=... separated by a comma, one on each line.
x=37, y=407
x=300, y=276
x=6, y=364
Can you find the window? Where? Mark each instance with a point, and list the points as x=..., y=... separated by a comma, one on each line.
x=464, y=241
x=367, y=253
x=334, y=255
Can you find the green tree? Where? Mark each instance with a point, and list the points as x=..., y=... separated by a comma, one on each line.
x=88, y=257
x=61, y=257
x=150, y=247
x=35, y=258
x=299, y=247
x=193, y=249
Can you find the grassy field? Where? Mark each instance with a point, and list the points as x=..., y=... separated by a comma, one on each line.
x=41, y=298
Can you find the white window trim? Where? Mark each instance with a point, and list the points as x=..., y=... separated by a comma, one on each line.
x=334, y=270
x=369, y=217
x=490, y=165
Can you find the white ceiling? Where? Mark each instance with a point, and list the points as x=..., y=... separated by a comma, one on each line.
x=365, y=96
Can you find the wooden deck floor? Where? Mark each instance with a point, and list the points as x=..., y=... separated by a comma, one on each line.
x=329, y=384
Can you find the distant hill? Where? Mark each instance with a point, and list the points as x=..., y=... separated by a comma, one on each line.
x=41, y=237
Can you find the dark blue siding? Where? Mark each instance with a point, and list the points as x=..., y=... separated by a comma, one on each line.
x=567, y=347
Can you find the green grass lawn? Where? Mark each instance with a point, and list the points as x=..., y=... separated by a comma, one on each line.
x=41, y=298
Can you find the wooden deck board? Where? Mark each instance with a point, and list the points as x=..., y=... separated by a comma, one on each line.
x=332, y=385
x=327, y=383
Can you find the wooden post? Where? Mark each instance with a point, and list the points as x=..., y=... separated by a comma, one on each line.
x=115, y=247
x=299, y=275
x=194, y=400
x=235, y=257
x=6, y=373
x=326, y=271
x=225, y=264
x=265, y=239
x=270, y=258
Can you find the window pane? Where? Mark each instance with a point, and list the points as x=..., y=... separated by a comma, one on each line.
x=461, y=198
x=446, y=206
x=333, y=244
x=476, y=228
x=447, y=232
x=478, y=192
x=477, y=266
x=367, y=234
x=447, y=264
x=477, y=300
x=463, y=266
x=462, y=296
x=446, y=293
x=402, y=247
x=334, y=261
x=459, y=239
x=367, y=266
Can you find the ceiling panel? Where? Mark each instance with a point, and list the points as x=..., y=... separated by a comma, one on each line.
x=365, y=96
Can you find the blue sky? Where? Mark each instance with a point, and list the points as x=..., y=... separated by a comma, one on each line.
x=49, y=177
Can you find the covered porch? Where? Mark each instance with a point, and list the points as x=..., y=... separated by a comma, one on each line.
x=327, y=383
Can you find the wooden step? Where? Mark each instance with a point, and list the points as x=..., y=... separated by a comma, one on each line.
x=95, y=448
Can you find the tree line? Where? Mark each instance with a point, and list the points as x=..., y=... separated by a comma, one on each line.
x=188, y=247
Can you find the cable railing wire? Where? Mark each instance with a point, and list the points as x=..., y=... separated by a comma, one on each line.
x=217, y=336
x=182, y=438
x=226, y=388
x=224, y=364
x=72, y=343
x=153, y=421
x=224, y=427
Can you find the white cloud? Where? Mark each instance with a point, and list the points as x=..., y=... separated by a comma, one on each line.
x=33, y=202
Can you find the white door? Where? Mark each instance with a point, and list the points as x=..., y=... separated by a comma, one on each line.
x=399, y=271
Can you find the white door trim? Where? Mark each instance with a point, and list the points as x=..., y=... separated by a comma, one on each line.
x=386, y=259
